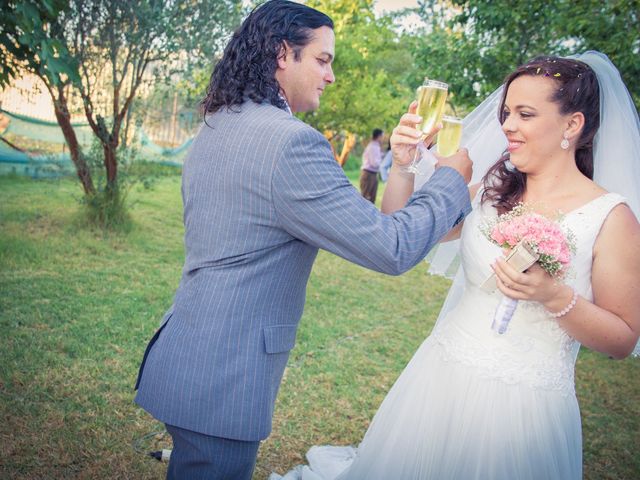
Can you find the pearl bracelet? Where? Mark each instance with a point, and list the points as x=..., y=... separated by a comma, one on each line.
x=567, y=309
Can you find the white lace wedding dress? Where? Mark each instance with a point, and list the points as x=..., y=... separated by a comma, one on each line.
x=473, y=404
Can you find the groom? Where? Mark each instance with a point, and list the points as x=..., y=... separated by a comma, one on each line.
x=262, y=193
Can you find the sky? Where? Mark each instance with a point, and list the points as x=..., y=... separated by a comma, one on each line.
x=410, y=22
x=390, y=5
x=382, y=6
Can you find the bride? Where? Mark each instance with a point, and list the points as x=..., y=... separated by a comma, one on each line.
x=473, y=404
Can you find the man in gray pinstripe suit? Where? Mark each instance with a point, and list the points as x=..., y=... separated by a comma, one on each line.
x=262, y=193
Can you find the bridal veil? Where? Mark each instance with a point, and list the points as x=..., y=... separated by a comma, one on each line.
x=616, y=156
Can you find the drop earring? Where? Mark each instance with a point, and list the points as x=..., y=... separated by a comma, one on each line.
x=564, y=144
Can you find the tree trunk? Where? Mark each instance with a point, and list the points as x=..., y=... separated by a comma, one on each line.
x=111, y=164
x=64, y=120
x=347, y=146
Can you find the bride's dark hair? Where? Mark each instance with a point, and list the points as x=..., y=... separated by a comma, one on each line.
x=576, y=91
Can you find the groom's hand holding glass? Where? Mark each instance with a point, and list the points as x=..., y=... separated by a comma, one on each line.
x=406, y=137
x=459, y=161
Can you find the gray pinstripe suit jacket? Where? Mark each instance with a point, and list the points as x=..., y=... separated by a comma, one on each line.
x=262, y=193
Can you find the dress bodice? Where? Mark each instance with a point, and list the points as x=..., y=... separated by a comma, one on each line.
x=585, y=222
x=535, y=349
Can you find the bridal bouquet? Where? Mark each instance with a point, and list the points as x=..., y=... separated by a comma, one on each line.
x=531, y=237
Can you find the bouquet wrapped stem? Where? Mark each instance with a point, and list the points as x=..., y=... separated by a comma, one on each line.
x=521, y=257
x=504, y=313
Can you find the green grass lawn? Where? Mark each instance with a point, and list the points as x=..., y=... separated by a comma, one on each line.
x=78, y=306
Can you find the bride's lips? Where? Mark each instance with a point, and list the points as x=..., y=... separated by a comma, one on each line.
x=514, y=145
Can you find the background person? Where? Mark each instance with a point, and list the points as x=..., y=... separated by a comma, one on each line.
x=371, y=159
x=387, y=161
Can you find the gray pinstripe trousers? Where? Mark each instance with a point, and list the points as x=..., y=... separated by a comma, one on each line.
x=196, y=456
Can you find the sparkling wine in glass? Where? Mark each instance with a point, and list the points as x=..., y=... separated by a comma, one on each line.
x=432, y=96
x=449, y=136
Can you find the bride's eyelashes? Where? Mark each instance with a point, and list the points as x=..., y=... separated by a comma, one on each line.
x=523, y=115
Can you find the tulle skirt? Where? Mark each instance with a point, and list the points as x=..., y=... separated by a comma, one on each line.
x=447, y=419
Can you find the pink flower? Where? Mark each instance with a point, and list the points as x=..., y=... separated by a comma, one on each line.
x=497, y=237
x=544, y=235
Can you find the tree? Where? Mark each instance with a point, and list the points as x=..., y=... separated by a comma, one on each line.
x=370, y=69
x=31, y=40
x=447, y=54
x=72, y=45
x=612, y=27
x=474, y=44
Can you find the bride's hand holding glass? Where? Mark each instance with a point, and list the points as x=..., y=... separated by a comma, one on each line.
x=406, y=137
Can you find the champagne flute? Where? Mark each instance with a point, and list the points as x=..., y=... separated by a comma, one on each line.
x=432, y=96
x=449, y=136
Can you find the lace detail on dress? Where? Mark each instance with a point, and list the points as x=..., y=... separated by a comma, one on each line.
x=516, y=359
x=535, y=351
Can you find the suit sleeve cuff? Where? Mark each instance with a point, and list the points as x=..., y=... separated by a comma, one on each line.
x=456, y=183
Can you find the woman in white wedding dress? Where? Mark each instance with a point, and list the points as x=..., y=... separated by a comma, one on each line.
x=473, y=404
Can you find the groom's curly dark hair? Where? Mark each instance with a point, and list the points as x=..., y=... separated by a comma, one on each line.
x=248, y=66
